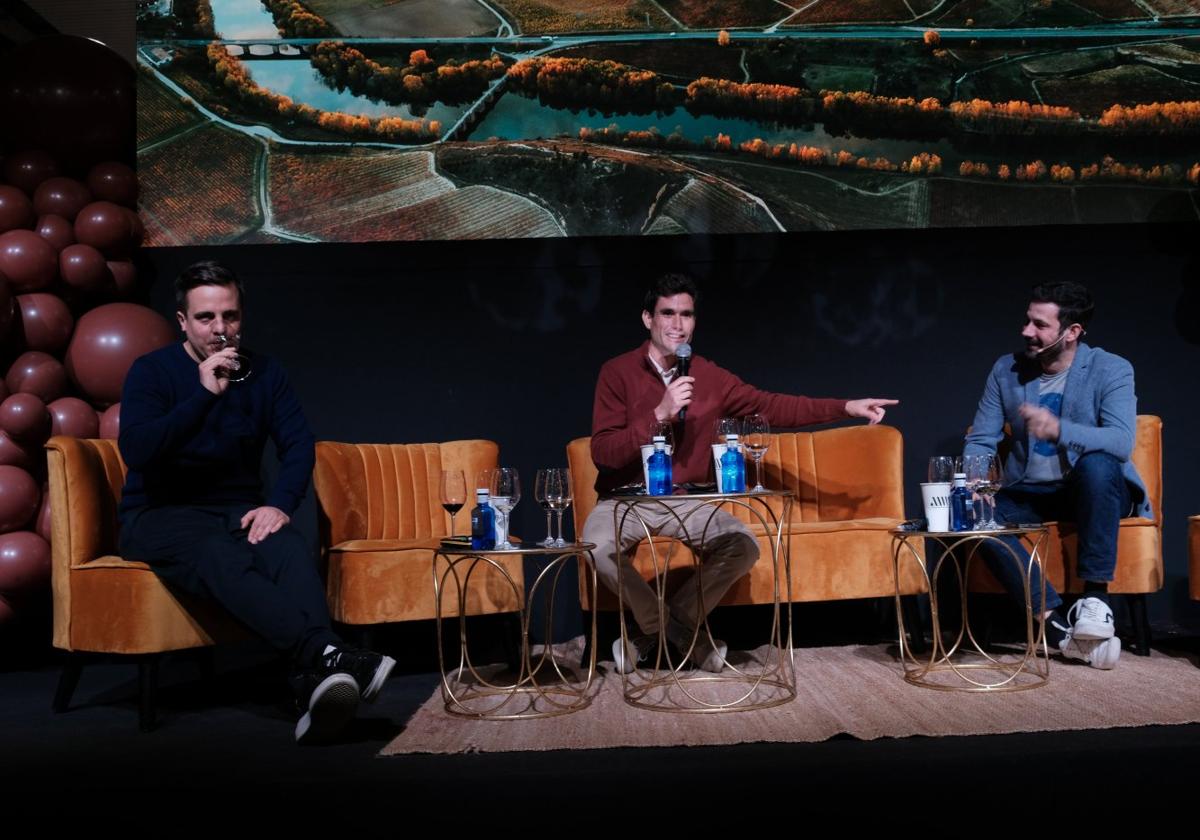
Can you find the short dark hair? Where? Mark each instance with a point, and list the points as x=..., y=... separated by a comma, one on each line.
x=1075, y=304
x=668, y=285
x=206, y=273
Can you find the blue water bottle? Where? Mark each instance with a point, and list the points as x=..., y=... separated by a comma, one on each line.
x=483, y=523
x=733, y=467
x=962, y=505
x=658, y=468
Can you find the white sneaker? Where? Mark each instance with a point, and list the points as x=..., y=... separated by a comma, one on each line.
x=1091, y=618
x=1099, y=653
x=637, y=651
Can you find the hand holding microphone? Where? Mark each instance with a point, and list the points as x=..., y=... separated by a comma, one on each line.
x=679, y=393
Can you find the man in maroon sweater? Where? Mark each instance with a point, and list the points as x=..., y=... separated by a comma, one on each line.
x=639, y=389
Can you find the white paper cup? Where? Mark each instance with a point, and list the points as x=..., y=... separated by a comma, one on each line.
x=936, y=496
x=647, y=451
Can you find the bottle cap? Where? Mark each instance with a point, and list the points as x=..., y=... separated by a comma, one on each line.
x=481, y=493
x=957, y=476
x=657, y=439
x=731, y=438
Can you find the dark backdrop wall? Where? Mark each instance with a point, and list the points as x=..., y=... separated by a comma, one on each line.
x=502, y=340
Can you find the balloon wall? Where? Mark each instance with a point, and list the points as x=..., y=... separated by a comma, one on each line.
x=68, y=231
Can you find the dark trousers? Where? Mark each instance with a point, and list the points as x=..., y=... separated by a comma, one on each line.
x=1094, y=495
x=272, y=587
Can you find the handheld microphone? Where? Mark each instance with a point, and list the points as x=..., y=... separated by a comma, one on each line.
x=683, y=356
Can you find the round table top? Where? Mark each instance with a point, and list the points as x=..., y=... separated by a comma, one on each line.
x=522, y=549
x=1008, y=530
x=699, y=497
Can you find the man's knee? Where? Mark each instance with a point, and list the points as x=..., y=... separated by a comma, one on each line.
x=738, y=548
x=1098, y=468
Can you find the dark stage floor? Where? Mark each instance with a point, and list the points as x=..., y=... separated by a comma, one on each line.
x=222, y=755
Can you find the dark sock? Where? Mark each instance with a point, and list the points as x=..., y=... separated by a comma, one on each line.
x=1055, y=630
x=1096, y=589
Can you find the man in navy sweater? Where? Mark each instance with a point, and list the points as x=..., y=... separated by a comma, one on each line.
x=195, y=418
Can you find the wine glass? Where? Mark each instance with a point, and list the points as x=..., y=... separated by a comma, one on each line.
x=664, y=429
x=454, y=494
x=506, y=493
x=984, y=477
x=239, y=367
x=756, y=435
x=941, y=469
x=559, y=490
x=541, y=493
x=726, y=426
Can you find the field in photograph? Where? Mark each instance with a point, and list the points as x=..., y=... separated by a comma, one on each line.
x=537, y=17
x=406, y=18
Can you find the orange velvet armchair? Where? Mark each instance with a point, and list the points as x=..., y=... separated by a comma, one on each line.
x=849, y=493
x=1139, y=542
x=380, y=519
x=102, y=603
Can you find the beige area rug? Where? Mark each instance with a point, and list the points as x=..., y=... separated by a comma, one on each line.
x=854, y=690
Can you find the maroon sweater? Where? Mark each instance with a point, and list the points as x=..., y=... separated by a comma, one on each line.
x=628, y=391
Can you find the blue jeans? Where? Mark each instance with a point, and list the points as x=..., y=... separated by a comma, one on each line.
x=1094, y=495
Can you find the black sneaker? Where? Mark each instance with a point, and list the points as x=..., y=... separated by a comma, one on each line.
x=328, y=702
x=370, y=669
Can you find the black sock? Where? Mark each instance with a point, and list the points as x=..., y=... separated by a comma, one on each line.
x=1096, y=589
x=1055, y=629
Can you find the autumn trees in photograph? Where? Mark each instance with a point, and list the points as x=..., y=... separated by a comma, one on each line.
x=421, y=80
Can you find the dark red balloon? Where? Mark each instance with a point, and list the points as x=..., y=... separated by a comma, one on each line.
x=19, y=498
x=124, y=276
x=73, y=417
x=83, y=267
x=57, y=231
x=28, y=169
x=110, y=422
x=61, y=196
x=43, y=516
x=114, y=181
x=28, y=261
x=39, y=374
x=26, y=419
x=16, y=455
x=71, y=96
x=105, y=344
x=16, y=210
x=24, y=562
x=45, y=321
x=106, y=227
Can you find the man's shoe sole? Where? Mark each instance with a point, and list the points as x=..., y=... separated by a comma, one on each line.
x=371, y=691
x=1094, y=630
x=333, y=704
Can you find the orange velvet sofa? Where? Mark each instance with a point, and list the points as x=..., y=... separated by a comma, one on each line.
x=849, y=493
x=104, y=604
x=380, y=520
x=1139, y=542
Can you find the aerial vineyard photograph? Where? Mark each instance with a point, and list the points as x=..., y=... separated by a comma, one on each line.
x=265, y=121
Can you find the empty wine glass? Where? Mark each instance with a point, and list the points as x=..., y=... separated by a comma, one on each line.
x=541, y=491
x=239, y=367
x=506, y=493
x=756, y=436
x=559, y=491
x=941, y=468
x=984, y=476
x=454, y=494
x=726, y=426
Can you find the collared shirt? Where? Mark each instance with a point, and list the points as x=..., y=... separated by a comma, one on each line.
x=667, y=375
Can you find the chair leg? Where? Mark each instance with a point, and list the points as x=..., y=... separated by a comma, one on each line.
x=67, y=681
x=912, y=622
x=1141, y=622
x=147, y=687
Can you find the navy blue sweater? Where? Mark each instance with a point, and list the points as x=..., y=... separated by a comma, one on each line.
x=185, y=445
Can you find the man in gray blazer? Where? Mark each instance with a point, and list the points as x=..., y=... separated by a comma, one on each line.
x=1073, y=414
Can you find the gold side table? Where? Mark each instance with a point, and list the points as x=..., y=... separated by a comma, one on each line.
x=543, y=686
x=670, y=686
x=964, y=664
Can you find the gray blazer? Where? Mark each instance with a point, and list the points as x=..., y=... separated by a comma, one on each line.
x=1099, y=412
